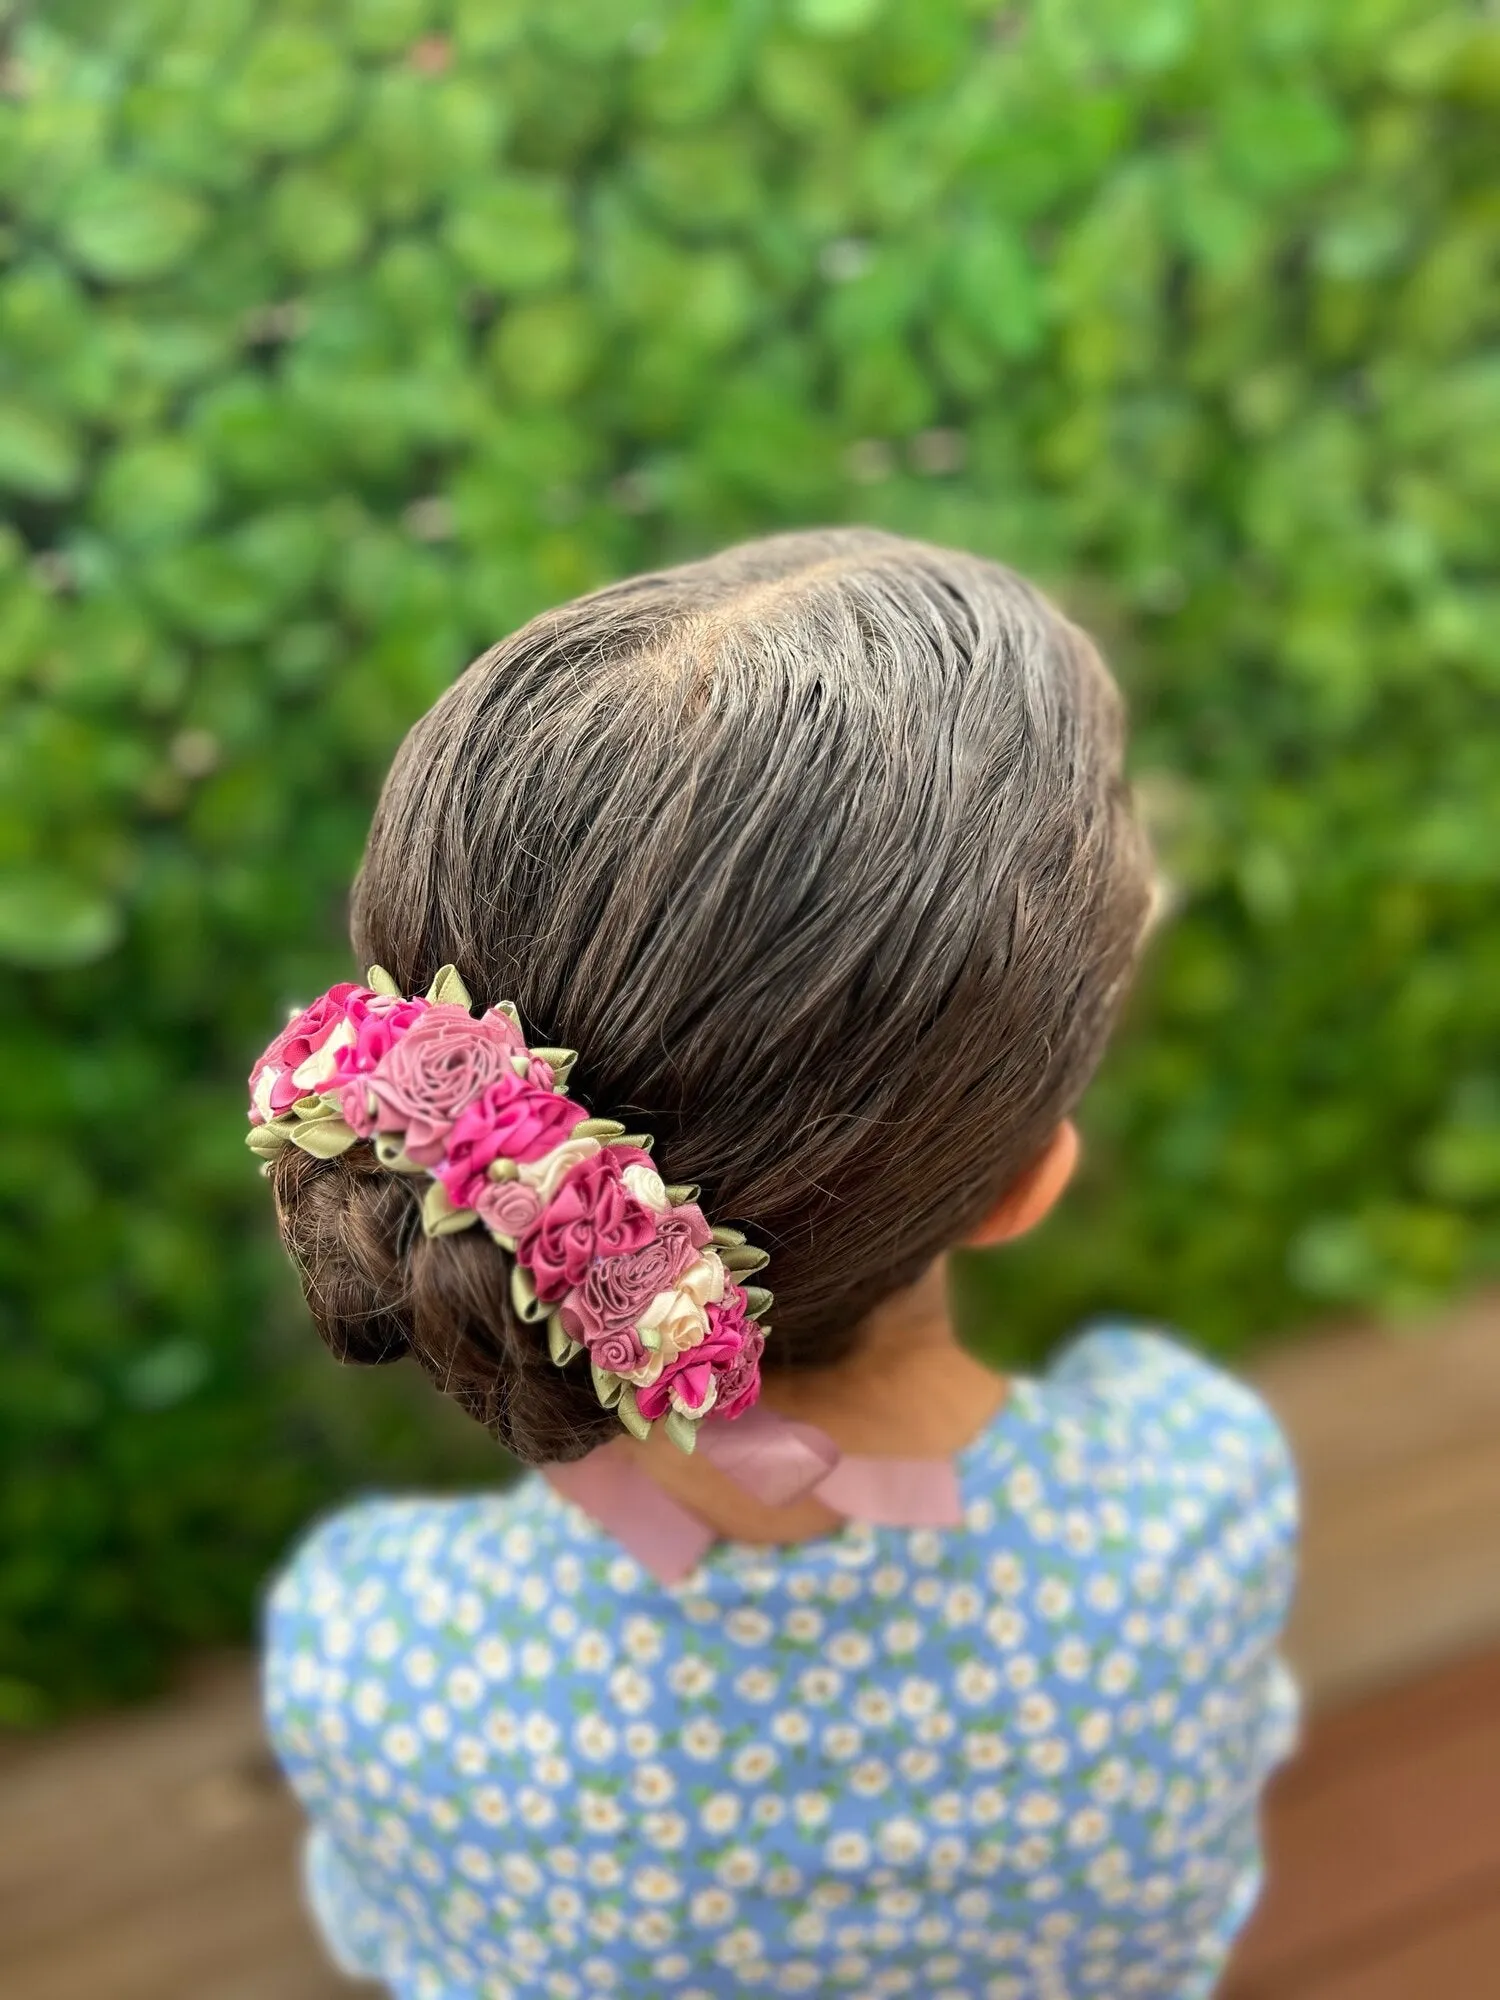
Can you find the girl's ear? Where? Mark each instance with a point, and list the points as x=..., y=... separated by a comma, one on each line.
x=1032, y=1194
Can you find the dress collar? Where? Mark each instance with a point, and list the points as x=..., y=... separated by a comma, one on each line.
x=778, y=1460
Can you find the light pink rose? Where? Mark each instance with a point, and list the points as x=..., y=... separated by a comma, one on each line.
x=511, y=1120
x=592, y=1215
x=302, y=1037
x=689, y=1382
x=617, y=1290
x=509, y=1208
x=504, y=1025
x=434, y=1072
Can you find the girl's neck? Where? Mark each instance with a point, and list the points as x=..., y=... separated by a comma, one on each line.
x=909, y=1390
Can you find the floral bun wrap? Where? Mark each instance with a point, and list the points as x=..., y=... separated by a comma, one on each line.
x=612, y=1262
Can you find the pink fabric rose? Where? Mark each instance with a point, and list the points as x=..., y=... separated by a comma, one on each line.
x=684, y=1383
x=302, y=1037
x=509, y=1208
x=618, y=1290
x=739, y=1384
x=379, y=1020
x=592, y=1215
x=619, y=1351
x=512, y=1120
x=435, y=1071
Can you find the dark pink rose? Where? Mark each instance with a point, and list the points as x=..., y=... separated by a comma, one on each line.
x=302, y=1037
x=507, y=1207
x=619, y=1350
x=434, y=1072
x=512, y=1120
x=685, y=1381
x=592, y=1215
x=739, y=1383
x=379, y=1020
x=618, y=1290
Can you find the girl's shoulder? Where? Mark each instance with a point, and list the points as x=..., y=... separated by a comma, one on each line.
x=1152, y=1466
x=429, y=1569
x=1139, y=1394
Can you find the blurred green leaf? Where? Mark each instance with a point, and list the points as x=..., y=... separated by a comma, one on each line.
x=152, y=488
x=291, y=90
x=384, y=27
x=545, y=349
x=38, y=454
x=316, y=225
x=514, y=233
x=127, y=227
x=48, y=920
x=834, y=17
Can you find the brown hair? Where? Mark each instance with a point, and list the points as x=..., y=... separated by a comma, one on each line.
x=820, y=853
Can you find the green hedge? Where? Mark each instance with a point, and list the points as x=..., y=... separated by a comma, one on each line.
x=335, y=339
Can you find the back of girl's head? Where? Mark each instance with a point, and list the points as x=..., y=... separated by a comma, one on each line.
x=819, y=853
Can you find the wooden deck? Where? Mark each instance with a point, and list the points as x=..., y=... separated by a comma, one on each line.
x=1384, y=1839
x=151, y=1856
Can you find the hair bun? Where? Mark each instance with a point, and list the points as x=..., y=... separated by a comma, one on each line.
x=379, y=1289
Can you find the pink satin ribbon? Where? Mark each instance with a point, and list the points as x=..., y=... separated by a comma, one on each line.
x=776, y=1459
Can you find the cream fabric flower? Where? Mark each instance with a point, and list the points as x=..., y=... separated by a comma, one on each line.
x=321, y=1064
x=546, y=1174
x=678, y=1317
x=703, y=1280
x=647, y=1185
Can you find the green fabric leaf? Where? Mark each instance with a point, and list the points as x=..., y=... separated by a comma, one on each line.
x=559, y=1345
x=610, y=1389
x=630, y=1416
x=448, y=990
x=683, y=1431
x=523, y=1296
x=440, y=1217
x=324, y=1138
x=743, y=1259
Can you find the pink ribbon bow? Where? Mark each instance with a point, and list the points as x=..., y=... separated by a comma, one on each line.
x=778, y=1460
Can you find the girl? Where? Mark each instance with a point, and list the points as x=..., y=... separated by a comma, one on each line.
x=818, y=1658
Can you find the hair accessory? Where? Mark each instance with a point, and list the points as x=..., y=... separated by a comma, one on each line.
x=615, y=1265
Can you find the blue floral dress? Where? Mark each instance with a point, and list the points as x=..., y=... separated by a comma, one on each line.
x=1020, y=1760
